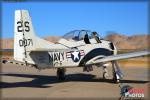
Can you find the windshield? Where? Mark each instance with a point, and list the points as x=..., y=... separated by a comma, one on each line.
x=78, y=35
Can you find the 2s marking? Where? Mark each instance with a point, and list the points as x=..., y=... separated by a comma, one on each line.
x=20, y=26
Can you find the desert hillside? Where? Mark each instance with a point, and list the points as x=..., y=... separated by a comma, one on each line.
x=139, y=42
x=121, y=41
x=8, y=43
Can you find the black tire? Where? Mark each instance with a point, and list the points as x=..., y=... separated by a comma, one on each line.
x=61, y=74
x=4, y=61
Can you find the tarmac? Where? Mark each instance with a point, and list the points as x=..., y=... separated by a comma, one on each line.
x=29, y=83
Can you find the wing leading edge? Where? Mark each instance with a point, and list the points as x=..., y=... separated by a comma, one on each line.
x=118, y=57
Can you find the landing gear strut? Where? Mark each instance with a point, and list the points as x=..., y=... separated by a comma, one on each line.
x=61, y=73
x=117, y=74
x=87, y=68
x=105, y=73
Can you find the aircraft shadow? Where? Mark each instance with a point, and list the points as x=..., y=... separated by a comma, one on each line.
x=40, y=81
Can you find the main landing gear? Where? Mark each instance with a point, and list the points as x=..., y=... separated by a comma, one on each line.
x=61, y=73
x=105, y=73
x=117, y=74
x=87, y=68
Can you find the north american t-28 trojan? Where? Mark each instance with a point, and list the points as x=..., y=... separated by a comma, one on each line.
x=79, y=48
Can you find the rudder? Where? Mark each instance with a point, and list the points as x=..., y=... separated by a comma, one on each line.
x=24, y=36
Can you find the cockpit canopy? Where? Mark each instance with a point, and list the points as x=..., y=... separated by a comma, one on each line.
x=78, y=35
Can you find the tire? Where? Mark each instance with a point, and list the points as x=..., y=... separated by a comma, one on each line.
x=61, y=74
x=4, y=61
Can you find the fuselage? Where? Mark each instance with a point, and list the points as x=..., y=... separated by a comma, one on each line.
x=79, y=54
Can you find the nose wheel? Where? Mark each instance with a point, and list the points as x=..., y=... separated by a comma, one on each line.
x=61, y=73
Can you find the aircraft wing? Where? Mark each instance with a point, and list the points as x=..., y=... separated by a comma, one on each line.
x=117, y=57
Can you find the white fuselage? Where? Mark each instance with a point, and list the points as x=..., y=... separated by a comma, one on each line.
x=79, y=54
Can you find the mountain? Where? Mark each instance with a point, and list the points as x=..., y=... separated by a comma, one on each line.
x=139, y=42
x=6, y=43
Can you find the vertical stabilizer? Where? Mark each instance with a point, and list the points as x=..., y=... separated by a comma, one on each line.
x=24, y=36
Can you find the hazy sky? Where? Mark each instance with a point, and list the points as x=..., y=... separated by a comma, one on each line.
x=58, y=18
